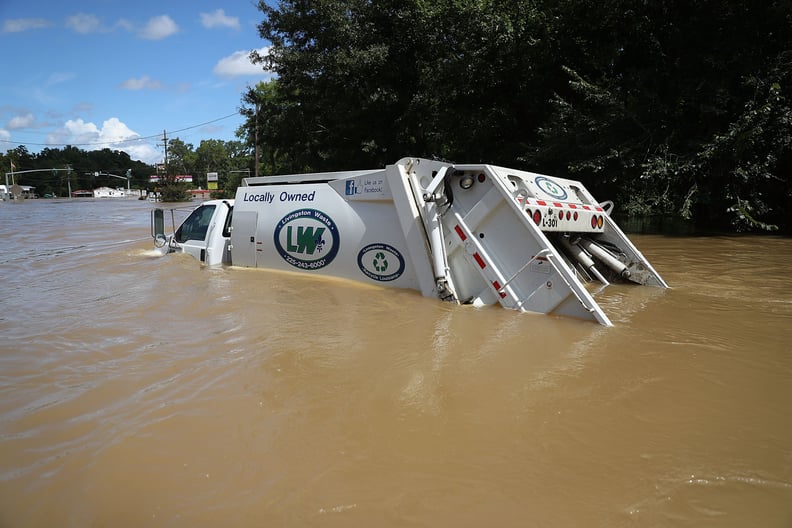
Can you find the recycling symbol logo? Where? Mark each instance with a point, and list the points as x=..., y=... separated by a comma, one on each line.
x=380, y=262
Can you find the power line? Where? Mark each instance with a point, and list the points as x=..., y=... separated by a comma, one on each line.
x=118, y=142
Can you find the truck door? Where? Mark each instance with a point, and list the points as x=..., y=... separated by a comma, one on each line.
x=243, y=239
x=192, y=233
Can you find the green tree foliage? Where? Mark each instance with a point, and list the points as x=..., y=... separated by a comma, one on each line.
x=171, y=189
x=347, y=72
x=84, y=165
x=211, y=155
x=670, y=107
x=264, y=122
x=663, y=105
x=181, y=157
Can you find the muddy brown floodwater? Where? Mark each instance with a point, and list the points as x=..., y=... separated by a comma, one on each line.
x=144, y=391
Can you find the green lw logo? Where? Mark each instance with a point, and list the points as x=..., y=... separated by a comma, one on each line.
x=381, y=262
x=307, y=239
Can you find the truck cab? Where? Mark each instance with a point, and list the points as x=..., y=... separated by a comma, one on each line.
x=205, y=233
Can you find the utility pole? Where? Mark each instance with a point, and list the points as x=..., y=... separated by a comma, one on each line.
x=165, y=144
x=68, y=179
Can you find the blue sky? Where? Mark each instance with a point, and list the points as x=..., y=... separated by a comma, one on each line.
x=116, y=74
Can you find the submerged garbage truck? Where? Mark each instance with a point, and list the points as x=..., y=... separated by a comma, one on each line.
x=475, y=234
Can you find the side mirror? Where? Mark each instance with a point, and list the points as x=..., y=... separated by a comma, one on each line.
x=160, y=240
x=158, y=224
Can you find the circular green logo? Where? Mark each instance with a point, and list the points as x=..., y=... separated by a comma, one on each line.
x=551, y=188
x=381, y=262
x=307, y=239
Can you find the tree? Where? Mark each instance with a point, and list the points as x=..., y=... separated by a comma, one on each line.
x=83, y=166
x=344, y=82
x=212, y=156
x=181, y=157
x=265, y=110
x=670, y=107
x=660, y=99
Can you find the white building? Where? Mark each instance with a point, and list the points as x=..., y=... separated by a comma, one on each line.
x=107, y=192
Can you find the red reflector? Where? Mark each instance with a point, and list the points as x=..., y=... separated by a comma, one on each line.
x=599, y=221
x=568, y=215
x=460, y=232
x=575, y=216
x=594, y=221
x=480, y=260
x=481, y=177
x=537, y=217
x=497, y=287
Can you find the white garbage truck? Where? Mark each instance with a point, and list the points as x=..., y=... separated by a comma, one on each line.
x=474, y=234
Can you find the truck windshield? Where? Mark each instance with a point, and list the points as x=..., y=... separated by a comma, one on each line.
x=196, y=225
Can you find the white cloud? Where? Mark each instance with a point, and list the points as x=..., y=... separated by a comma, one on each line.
x=238, y=64
x=219, y=19
x=114, y=135
x=159, y=27
x=24, y=24
x=113, y=130
x=142, y=151
x=83, y=23
x=21, y=121
x=143, y=83
x=75, y=132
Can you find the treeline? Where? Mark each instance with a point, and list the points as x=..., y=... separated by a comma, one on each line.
x=671, y=108
x=230, y=159
x=83, y=165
